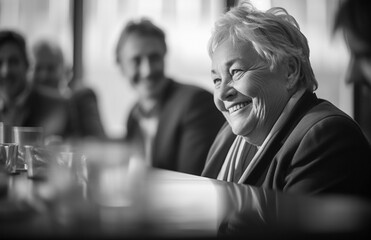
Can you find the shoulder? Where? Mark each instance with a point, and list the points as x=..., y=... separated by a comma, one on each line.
x=327, y=122
x=45, y=103
x=84, y=92
x=327, y=112
x=190, y=102
x=47, y=97
x=190, y=91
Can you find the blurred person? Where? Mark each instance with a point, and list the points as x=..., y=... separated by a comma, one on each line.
x=173, y=123
x=20, y=103
x=353, y=19
x=287, y=139
x=50, y=73
x=49, y=69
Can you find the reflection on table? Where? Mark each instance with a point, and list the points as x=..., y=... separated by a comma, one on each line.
x=132, y=200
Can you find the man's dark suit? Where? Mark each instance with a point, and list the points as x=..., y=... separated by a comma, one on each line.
x=85, y=114
x=188, y=124
x=60, y=116
x=318, y=150
x=42, y=109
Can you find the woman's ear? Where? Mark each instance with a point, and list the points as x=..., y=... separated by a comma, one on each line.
x=293, y=72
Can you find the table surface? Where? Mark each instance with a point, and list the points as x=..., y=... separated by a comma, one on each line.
x=148, y=202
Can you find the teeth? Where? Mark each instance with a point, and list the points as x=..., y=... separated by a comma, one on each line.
x=237, y=107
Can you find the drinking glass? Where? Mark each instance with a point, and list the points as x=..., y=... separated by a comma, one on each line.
x=37, y=160
x=110, y=181
x=5, y=133
x=9, y=157
x=31, y=136
x=68, y=172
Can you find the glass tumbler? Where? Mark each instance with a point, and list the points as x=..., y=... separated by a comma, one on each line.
x=26, y=136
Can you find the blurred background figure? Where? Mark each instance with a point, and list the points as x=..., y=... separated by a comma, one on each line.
x=173, y=123
x=20, y=103
x=353, y=19
x=50, y=73
x=49, y=69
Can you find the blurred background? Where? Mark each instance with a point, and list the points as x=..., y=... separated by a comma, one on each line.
x=88, y=29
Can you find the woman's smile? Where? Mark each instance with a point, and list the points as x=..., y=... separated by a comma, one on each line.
x=238, y=106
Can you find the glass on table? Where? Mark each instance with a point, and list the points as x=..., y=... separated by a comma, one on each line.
x=68, y=172
x=113, y=173
x=9, y=157
x=5, y=133
x=37, y=160
x=75, y=162
x=31, y=136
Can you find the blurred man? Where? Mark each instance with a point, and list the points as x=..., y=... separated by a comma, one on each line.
x=354, y=20
x=49, y=68
x=174, y=123
x=20, y=103
x=50, y=73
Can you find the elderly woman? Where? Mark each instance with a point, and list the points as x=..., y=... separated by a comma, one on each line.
x=287, y=139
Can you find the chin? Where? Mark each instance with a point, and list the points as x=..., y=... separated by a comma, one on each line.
x=236, y=129
x=242, y=128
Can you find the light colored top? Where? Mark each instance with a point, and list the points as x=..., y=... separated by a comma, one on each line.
x=149, y=129
x=148, y=122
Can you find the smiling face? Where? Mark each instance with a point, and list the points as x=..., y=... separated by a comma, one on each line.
x=247, y=92
x=13, y=71
x=48, y=69
x=142, y=62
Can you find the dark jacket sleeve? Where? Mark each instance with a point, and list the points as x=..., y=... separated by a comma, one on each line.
x=200, y=125
x=332, y=157
x=218, y=151
x=85, y=115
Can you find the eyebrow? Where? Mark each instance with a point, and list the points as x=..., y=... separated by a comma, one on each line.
x=228, y=64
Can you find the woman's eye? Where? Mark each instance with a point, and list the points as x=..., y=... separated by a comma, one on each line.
x=236, y=72
x=216, y=81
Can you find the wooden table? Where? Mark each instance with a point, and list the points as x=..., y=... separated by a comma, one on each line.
x=158, y=203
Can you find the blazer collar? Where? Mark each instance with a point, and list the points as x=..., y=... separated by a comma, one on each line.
x=257, y=172
x=218, y=151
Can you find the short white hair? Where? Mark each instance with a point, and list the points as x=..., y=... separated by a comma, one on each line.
x=274, y=34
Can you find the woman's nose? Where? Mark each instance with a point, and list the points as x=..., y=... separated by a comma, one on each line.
x=226, y=91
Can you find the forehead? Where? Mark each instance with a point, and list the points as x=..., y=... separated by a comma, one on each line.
x=10, y=49
x=139, y=44
x=228, y=52
x=47, y=57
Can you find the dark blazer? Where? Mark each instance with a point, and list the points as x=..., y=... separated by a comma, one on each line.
x=67, y=117
x=47, y=110
x=85, y=115
x=188, y=124
x=319, y=149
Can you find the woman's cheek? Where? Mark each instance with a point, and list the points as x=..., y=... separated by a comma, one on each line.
x=249, y=84
x=219, y=104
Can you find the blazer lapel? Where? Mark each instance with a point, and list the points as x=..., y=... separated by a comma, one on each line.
x=257, y=173
x=218, y=151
